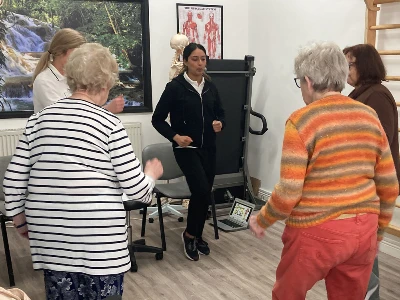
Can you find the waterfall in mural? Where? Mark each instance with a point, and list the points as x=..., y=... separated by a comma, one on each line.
x=24, y=43
x=27, y=27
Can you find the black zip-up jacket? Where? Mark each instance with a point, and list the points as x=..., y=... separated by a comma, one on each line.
x=191, y=114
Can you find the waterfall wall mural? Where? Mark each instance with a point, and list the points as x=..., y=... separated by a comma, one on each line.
x=27, y=27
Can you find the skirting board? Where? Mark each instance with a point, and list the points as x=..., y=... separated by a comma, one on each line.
x=263, y=194
x=390, y=244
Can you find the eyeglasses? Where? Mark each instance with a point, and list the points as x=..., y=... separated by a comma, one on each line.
x=351, y=64
x=297, y=82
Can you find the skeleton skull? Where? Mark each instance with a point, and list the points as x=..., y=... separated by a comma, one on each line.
x=179, y=41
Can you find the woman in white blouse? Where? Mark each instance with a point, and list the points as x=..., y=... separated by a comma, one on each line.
x=49, y=82
x=65, y=182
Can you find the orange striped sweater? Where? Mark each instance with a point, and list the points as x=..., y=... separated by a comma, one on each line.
x=335, y=160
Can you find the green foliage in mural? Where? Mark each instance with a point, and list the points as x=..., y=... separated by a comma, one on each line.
x=114, y=25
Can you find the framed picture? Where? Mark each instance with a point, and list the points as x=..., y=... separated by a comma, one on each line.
x=27, y=27
x=202, y=24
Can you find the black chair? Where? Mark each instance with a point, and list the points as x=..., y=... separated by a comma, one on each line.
x=140, y=245
x=4, y=162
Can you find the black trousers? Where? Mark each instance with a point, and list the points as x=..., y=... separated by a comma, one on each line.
x=198, y=166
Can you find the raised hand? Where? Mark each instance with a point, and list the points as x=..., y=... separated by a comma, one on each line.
x=116, y=105
x=153, y=168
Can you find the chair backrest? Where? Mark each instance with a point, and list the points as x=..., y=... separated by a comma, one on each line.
x=4, y=162
x=165, y=154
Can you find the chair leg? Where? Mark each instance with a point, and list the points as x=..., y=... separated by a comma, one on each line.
x=214, y=215
x=161, y=221
x=134, y=266
x=129, y=226
x=146, y=248
x=144, y=222
x=7, y=250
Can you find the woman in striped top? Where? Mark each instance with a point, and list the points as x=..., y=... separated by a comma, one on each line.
x=64, y=184
x=337, y=188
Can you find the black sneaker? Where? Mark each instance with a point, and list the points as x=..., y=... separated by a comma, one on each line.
x=190, y=247
x=202, y=246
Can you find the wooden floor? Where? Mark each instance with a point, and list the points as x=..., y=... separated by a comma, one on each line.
x=239, y=267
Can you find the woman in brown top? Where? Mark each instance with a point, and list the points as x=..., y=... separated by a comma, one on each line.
x=366, y=73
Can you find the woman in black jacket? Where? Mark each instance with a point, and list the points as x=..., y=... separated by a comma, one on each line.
x=196, y=115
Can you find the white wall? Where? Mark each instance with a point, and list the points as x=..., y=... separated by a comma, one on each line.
x=285, y=26
x=162, y=28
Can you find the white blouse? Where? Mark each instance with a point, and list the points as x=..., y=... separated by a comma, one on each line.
x=49, y=87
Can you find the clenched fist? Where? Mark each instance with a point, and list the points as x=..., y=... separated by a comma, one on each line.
x=116, y=105
x=183, y=141
x=153, y=168
x=217, y=126
x=256, y=229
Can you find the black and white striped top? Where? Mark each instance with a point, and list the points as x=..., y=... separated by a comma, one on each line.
x=75, y=160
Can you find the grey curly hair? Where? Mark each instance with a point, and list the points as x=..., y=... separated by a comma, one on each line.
x=324, y=64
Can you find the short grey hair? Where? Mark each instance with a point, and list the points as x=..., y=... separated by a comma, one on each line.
x=325, y=64
x=91, y=67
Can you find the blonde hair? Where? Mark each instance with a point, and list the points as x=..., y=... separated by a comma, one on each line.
x=91, y=67
x=62, y=41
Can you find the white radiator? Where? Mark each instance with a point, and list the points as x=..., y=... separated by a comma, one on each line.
x=134, y=131
x=9, y=139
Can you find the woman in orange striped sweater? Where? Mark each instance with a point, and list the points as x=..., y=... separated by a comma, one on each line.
x=337, y=185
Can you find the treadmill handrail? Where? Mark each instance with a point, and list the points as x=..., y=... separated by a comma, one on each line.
x=264, y=123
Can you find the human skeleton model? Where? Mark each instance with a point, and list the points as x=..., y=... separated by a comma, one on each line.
x=190, y=29
x=211, y=33
x=178, y=43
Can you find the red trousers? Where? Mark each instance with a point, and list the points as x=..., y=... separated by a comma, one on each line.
x=340, y=251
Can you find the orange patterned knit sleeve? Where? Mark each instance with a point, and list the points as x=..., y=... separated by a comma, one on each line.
x=288, y=191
